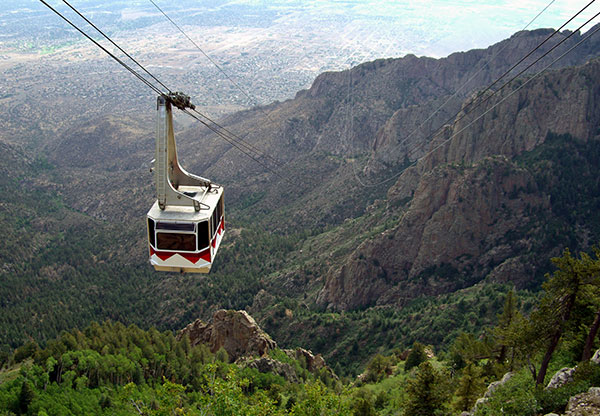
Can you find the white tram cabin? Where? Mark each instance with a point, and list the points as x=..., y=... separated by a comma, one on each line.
x=182, y=239
x=187, y=221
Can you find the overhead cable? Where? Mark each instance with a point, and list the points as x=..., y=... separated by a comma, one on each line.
x=237, y=146
x=254, y=149
x=247, y=95
x=117, y=46
x=539, y=46
x=509, y=95
x=244, y=143
x=228, y=136
x=476, y=103
x=141, y=78
x=485, y=64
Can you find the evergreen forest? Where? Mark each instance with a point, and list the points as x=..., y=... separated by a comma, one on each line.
x=109, y=368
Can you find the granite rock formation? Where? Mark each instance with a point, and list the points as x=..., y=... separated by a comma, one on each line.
x=235, y=331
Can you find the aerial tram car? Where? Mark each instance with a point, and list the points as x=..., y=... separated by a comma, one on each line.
x=187, y=221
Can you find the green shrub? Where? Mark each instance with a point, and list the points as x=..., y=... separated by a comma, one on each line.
x=588, y=371
x=556, y=400
x=378, y=368
x=515, y=398
x=24, y=352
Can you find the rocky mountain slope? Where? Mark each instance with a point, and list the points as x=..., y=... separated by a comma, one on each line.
x=373, y=106
x=469, y=200
x=324, y=137
x=491, y=205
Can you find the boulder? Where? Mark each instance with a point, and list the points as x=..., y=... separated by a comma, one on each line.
x=490, y=390
x=494, y=386
x=561, y=377
x=584, y=404
x=235, y=331
x=481, y=401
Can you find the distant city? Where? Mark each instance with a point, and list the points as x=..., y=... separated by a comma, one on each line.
x=270, y=49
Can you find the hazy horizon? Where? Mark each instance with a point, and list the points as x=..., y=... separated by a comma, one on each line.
x=426, y=28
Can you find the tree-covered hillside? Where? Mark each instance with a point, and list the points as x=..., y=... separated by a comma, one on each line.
x=110, y=368
x=345, y=269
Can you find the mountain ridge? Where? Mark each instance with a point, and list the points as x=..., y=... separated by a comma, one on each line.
x=287, y=245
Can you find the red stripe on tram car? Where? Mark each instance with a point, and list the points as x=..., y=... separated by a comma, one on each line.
x=191, y=257
x=194, y=257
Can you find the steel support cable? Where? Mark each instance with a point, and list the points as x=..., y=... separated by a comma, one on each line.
x=253, y=100
x=541, y=57
x=476, y=103
x=141, y=78
x=239, y=140
x=507, y=97
x=485, y=64
x=149, y=84
x=117, y=46
x=454, y=95
x=256, y=150
x=536, y=48
x=235, y=144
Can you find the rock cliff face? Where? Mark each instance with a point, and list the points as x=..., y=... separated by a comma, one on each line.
x=235, y=331
x=374, y=108
x=584, y=404
x=269, y=365
x=452, y=235
x=513, y=120
x=467, y=201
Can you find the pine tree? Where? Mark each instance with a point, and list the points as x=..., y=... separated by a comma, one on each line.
x=505, y=319
x=427, y=392
x=512, y=333
x=470, y=387
x=563, y=289
x=378, y=368
x=26, y=396
x=468, y=349
x=589, y=342
x=595, y=326
x=416, y=356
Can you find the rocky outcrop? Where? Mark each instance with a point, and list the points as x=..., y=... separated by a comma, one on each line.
x=465, y=204
x=565, y=374
x=515, y=121
x=270, y=365
x=248, y=345
x=313, y=362
x=235, y=331
x=496, y=384
x=489, y=392
x=584, y=404
x=408, y=132
x=309, y=361
x=596, y=357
